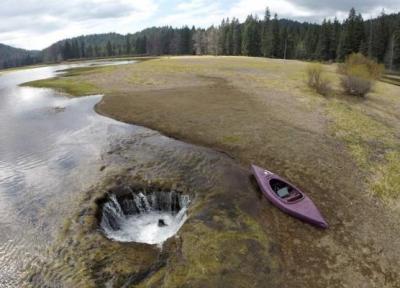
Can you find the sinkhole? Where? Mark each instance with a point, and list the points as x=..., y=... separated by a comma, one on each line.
x=143, y=216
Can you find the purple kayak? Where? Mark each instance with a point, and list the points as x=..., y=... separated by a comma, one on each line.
x=287, y=197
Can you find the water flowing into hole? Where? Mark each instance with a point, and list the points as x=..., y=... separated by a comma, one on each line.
x=144, y=217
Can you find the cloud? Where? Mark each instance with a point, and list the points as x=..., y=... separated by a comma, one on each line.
x=313, y=10
x=190, y=5
x=285, y=8
x=207, y=12
x=363, y=6
x=200, y=13
x=35, y=24
x=340, y=8
x=75, y=9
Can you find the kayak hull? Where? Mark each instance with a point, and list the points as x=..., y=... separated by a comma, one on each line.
x=303, y=208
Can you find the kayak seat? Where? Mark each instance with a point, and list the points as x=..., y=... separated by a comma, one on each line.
x=283, y=192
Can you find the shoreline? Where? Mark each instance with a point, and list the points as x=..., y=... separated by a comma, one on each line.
x=72, y=61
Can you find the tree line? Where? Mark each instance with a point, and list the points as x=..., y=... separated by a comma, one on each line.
x=13, y=57
x=270, y=36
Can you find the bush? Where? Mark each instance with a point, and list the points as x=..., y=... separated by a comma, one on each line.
x=316, y=79
x=358, y=63
x=359, y=74
x=356, y=86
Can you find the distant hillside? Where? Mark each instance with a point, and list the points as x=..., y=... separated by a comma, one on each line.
x=89, y=46
x=12, y=57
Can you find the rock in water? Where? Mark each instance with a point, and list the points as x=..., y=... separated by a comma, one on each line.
x=161, y=223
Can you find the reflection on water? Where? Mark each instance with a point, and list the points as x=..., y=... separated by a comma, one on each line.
x=50, y=151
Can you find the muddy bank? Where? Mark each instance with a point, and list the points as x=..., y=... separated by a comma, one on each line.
x=260, y=111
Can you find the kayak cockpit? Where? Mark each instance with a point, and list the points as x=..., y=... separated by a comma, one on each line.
x=285, y=191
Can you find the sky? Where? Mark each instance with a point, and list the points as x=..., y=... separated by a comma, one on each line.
x=36, y=24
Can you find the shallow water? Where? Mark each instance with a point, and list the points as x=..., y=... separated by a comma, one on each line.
x=51, y=150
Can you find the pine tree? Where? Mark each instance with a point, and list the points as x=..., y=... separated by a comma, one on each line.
x=236, y=37
x=128, y=46
x=67, y=53
x=353, y=35
x=229, y=39
x=300, y=50
x=287, y=45
x=97, y=51
x=266, y=40
x=323, y=51
x=222, y=31
x=185, y=44
x=75, y=48
x=284, y=36
x=275, y=40
x=311, y=41
x=381, y=38
x=109, y=48
x=251, y=37
x=396, y=50
x=336, y=30
x=114, y=50
x=394, y=46
x=83, y=50
x=246, y=36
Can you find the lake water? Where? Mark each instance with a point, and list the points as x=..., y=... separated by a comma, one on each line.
x=51, y=150
x=54, y=150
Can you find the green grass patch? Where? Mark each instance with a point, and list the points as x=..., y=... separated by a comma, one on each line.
x=231, y=139
x=74, y=87
x=208, y=256
x=387, y=182
x=372, y=144
x=355, y=126
x=73, y=81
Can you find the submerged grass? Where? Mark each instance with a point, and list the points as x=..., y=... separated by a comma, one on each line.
x=208, y=258
x=69, y=83
x=73, y=87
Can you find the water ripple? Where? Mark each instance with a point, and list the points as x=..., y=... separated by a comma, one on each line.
x=50, y=151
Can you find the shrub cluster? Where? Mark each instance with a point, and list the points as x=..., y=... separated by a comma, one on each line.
x=355, y=85
x=359, y=74
x=316, y=79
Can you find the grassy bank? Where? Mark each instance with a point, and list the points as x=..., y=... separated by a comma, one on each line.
x=344, y=152
x=68, y=84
